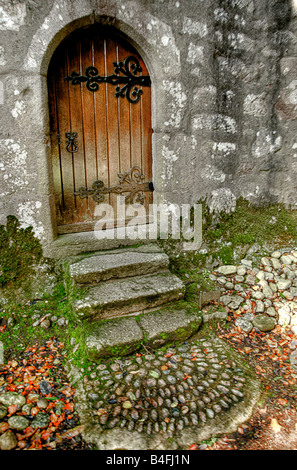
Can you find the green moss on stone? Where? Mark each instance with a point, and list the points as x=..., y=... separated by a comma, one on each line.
x=19, y=252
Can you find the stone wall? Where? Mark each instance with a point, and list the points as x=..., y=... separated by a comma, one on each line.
x=224, y=98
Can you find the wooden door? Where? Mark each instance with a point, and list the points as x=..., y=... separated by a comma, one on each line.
x=100, y=119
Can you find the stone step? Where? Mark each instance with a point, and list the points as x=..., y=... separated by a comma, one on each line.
x=121, y=297
x=170, y=324
x=114, y=265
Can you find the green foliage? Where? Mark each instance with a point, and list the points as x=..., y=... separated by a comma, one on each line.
x=19, y=251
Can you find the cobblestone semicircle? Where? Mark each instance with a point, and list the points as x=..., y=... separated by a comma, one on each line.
x=165, y=400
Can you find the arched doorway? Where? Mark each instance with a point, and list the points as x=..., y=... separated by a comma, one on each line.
x=100, y=125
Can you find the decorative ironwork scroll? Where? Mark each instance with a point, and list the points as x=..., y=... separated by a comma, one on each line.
x=131, y=182
x=125, y=78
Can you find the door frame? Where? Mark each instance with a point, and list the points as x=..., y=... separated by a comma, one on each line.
x=128, y=178
x=162, y=67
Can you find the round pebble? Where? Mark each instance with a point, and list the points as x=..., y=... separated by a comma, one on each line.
x=18, y=422
x=3, y=411
x=41, y=420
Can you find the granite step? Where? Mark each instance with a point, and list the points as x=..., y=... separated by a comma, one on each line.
x=172, y=323
x=122, y=297
x=115, y=265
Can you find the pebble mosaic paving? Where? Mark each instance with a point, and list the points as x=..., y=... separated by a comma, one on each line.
x=164, y=393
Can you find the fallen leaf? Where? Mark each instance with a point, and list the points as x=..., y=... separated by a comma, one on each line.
x=46, y=435
x=34, y=411
x=261, y=358
x=12, y=409
x=187, y=376
x=275, y=425
x=67, y=392
x=29, y=431
x=3, y=427
x=193, y=447
x=282, y=401
x=70, y=433
x=247, y=350
x=69, y=406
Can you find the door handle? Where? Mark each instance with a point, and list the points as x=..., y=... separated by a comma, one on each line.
x=71, y=142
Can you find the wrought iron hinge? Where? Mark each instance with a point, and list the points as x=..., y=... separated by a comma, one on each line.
x=131, y=182
x=126, y=78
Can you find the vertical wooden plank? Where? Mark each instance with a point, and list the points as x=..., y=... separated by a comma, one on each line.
x=89, y=129
x=124, y=121
x=55, y=148
x=146, y=135
x=100, y=113
x=112, y=121
x=135, y=125
x=77, y=125
x=63, y=117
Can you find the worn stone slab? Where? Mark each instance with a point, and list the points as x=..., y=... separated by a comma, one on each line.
x=117, y=265
x=169, y=324
x=122, y=336
x=121, y=297
x=117, y=337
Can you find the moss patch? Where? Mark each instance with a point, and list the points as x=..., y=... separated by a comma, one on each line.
x=228, y=237
x=19, y=252
x=246, y=226
x=19, y=320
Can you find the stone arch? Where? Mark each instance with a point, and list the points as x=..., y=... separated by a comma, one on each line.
x=150, y=36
